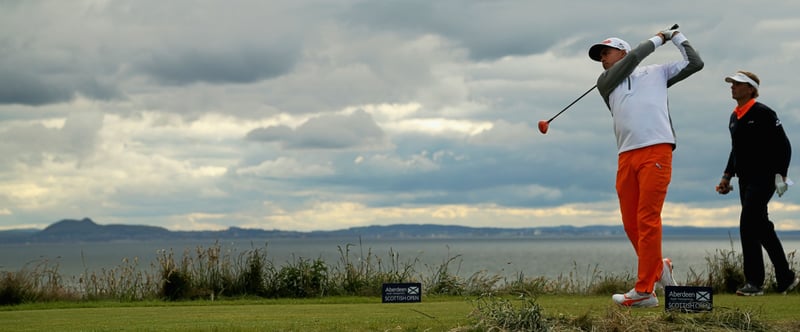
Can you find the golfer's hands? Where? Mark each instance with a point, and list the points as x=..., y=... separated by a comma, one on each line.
x=724, y=186
x=667, y=34
x=780, y=185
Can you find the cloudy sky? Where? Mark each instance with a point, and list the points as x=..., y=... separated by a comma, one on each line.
x=319, y=115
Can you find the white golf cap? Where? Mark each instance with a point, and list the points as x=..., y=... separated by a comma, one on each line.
x=594, y=51
x=741, y=78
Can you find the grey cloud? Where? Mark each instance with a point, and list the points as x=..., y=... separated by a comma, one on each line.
x=28, y=85
x=53, y=52
x=494, y=29
x=325, y=132
x=334, y=131
x=30, y=144
x=22, y=88
x=243, y=65
x=453, y=171
x=270, y=134
x=37, y=139
x=473, y=24
x=491, y=29
x=79, y=133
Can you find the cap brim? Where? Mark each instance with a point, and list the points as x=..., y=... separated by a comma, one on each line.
x=594, y=51
x=739, y=79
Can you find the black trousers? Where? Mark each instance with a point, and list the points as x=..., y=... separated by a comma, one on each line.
x=757, y=231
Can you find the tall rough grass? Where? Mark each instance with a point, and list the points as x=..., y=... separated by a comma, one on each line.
x=442, y=280
x=303, y=277
x=126, y=282
x=214, y=272
x=725, y=273
x=37, y=281
x=254, y=276
x=363, y=274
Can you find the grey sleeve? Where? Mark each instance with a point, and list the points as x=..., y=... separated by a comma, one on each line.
x=695, y=64
x=612, y=77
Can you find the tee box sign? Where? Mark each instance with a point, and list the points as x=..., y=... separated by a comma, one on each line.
x=688, y=298
x=402, y=292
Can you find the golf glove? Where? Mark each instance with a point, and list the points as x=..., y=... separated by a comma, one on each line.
x=780, y=185
x=668, y=34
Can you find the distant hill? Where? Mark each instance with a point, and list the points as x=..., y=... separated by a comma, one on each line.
x=15, y=234
x=86, y=230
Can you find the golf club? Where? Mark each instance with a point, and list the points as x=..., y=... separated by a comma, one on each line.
x=544, y=125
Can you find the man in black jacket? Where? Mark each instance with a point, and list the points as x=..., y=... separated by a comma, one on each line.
x=760, y=154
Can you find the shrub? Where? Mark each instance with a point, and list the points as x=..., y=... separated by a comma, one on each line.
x=302, y=278
x=211, y=271
x=252, y=280
x=15, y=288
x=176, y=283
x=37, y=281
x=176, y=286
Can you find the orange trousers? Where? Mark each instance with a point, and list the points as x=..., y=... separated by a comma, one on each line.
x=643, y=176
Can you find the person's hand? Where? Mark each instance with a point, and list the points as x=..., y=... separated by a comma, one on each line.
x=780, y=185
x=667, y=34
x=724, y=186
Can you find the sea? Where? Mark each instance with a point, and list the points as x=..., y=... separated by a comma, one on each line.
x=463, y=257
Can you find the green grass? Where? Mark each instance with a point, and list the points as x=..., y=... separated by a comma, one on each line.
x=212, y=289
x=329, y=314
x=434, y=313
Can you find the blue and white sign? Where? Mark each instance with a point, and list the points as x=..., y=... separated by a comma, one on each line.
x=402, y=292
x=688, y=298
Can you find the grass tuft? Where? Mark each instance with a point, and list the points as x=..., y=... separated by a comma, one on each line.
x=501, y=314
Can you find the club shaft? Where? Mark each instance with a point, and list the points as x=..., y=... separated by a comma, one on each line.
x=572, y=103
x=675, y=26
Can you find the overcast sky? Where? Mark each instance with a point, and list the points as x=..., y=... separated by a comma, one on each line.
x=320, y=115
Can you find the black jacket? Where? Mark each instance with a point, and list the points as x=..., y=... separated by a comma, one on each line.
x=759, y=146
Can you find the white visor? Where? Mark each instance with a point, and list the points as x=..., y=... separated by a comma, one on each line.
x=741, y=78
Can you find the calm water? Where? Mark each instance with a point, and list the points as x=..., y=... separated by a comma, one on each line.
x=507, y=257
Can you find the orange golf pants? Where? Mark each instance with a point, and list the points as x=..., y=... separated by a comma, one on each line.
x=643, y=176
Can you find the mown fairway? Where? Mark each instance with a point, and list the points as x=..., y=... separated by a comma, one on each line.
x=302, y=315
x=332, y=314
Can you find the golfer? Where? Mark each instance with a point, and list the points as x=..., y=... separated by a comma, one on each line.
x=637, y=98
x=760, y=154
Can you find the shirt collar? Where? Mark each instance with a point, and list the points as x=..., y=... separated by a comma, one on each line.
x=742, y=110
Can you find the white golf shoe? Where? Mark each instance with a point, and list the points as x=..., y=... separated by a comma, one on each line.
x=666, y=275
x=635, y=299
